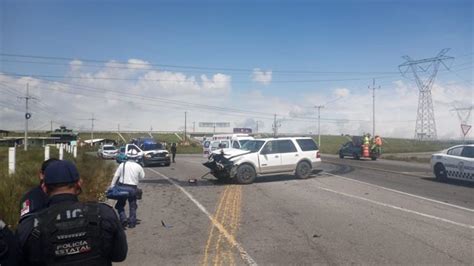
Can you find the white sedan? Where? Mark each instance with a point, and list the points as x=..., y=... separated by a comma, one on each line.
x=456, y=162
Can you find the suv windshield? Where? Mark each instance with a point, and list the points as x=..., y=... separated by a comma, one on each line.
x=252, y=145
x=243, y=141
x=151, y=146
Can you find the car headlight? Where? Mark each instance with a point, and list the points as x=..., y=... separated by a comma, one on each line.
x=148, y=155
x=167, y=155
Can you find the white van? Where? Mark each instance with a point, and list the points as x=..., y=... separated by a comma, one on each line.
x=235, y=141
x=225, y=141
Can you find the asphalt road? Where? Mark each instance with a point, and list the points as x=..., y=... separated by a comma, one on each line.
x=360, y=212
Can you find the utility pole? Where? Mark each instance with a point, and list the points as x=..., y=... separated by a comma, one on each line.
x=276, y=125
x=51, y=125
x=257, y=126
x=194, y=127
x=319, y=124
x=118, y=127
x=373, y=106
x=92, y=128
x=27, y=114
x=185, y=114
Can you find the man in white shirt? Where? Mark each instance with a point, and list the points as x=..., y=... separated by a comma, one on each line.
x=127, y=176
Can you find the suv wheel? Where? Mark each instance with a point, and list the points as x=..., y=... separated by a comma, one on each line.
x=245, y=174
x=341, y=155
x=356, y=156
x=440, y=172
x=303, y=170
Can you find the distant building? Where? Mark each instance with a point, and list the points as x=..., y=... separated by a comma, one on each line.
x=32, y=141
x=98, y=142
x=64, y=135
x=4, y=133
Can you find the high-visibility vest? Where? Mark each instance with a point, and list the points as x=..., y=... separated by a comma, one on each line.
x=378, y=141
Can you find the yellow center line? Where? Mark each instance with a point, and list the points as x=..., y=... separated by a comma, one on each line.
x=209, y=240
x=223, y=222
x=235, y=220
x=226, y=216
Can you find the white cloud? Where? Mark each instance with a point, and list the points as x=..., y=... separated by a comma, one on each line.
x=341, y=92
x=263, y=77
x=138, y=64
x=75, y=65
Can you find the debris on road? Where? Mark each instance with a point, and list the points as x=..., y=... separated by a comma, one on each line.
x=165, y=225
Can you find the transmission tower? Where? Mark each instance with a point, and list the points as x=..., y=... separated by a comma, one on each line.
x=425, y=71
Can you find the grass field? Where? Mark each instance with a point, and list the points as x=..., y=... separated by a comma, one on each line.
x=95, y=173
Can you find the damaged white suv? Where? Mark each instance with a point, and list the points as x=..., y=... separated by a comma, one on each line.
x=298, y=155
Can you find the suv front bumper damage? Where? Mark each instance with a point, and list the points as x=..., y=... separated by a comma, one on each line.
x=220, y=166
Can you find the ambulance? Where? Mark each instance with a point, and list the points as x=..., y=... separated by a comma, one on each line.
x=224, y=141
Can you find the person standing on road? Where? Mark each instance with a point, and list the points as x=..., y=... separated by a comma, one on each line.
x=173, y=151
x=69, y=232
x=127, y=176
x=36, y=198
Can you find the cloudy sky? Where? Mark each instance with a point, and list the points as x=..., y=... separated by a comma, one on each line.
x=143, y=64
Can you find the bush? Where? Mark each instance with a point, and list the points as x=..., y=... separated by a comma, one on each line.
x=96, y=175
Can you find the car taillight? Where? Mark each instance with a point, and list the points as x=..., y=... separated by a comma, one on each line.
x=206, y=152
x=318, y=155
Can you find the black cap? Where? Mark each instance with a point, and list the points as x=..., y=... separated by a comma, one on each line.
x=60, y=172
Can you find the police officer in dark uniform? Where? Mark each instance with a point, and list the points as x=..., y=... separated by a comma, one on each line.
x=8, y=246
x=69, y=232
x=35, y=199
x=173, y=151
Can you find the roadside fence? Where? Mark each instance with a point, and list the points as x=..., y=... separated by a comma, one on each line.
x=71, y=149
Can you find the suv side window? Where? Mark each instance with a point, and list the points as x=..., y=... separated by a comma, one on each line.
x=308, y=144
x=270, y=147
x=455, y=151
x=286, y=146
x=468, y=152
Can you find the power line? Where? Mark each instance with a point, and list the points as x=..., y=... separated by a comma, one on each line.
x=179, y=81
x=190, y=67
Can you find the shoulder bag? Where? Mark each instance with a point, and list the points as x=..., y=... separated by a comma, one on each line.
x=117, y=192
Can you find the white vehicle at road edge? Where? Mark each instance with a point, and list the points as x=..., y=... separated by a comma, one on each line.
x=298, y=155
x=456, y=162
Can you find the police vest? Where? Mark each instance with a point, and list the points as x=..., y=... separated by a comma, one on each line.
x=70, y=234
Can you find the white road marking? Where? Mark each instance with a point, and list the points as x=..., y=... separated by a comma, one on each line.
x=243, y=254
x=398, y=208
x=404, y=193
